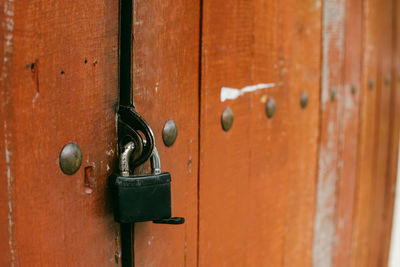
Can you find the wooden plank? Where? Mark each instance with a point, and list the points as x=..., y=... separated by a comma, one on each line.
x=365, y=172
x=166, y=86
x=257, y=181
x=375, y=145
x=333, y=97
x=7, y=227
x=383, y=135
x=59, y=84
x=348, y=134
x=394, y=131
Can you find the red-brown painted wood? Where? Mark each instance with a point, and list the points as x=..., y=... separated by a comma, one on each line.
x=166, y=86
x=394, y=131
x=249, y=195
x=49, y=97
x=376, y=168
x=348, y=133
x=257, y=181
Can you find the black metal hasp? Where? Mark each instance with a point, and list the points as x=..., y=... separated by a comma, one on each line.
x=132, y=127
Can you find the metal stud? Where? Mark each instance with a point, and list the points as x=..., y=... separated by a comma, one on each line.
x=333, y=93
x=353, y=89
x=170, y=133
x=371, y=84
x=303, y=100
x=270, y=108
x=70, y=158
x=227, y=119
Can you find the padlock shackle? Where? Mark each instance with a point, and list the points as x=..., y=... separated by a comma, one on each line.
x=155, y=162
x=124, y=158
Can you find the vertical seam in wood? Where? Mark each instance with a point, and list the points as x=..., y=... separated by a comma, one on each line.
x=199, y=128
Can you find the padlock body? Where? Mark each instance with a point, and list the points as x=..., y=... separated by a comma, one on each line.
x=141, y=198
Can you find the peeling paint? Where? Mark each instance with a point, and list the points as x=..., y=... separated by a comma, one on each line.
x=228, y=93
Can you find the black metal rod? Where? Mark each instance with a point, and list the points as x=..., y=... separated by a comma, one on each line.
x=126, y=99
x=125, y=52
x=127, y=245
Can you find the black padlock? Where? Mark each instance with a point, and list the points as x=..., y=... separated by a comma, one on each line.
x=139, y=198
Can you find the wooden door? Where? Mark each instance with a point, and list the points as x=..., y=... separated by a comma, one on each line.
x=310, y=185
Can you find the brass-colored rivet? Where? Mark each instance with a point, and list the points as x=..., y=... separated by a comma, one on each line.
x=388, y=81
x=333, y=93
x=303, y=100
x=170, y=133
x=371, y=84
x=270, y=108
x=353, y=89
x=70, y=158
x=227, y=119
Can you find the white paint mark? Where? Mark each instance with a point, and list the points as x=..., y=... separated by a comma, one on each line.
x=9, y=195
x=108, y=167
x=110, y=152
x=228, y=93
x=35, y=98
x=7, y=27
x=156, y=88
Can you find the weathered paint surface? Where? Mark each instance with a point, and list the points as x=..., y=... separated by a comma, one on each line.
x=331, y=79
x=348, y=134
x=7, y=216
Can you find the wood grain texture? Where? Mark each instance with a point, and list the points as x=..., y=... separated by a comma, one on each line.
x=333, y=97
x=394, y=131
x=49, y=97
x=257, y=181
x=348, y=133
x=374, y=181
x=166, y=86
x=364, y=213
